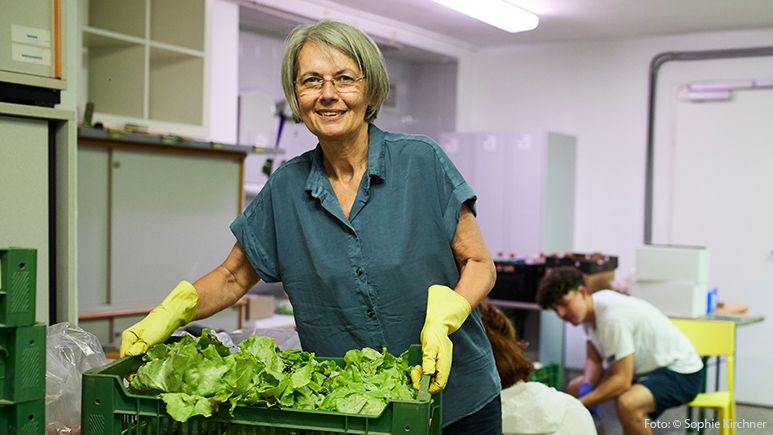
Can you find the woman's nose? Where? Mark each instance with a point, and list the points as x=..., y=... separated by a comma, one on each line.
x=328, y=90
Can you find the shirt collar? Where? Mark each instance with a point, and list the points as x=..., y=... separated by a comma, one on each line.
x=315, y=182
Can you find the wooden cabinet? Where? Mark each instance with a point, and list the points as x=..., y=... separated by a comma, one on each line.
x=144, y=63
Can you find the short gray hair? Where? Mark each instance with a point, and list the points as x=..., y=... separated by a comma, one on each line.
x=351, y=41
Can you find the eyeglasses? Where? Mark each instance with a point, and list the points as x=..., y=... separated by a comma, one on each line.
x=343, y=84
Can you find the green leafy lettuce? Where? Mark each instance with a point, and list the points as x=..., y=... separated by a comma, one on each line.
x=195, y=376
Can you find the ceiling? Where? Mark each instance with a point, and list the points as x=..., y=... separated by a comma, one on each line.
x=560, y=20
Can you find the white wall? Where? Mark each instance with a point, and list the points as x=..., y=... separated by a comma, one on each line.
x=221, y=73
x=598, y=92
x=425, y=98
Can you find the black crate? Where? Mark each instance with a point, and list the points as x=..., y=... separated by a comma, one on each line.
x=517, y=281
x=586, y=263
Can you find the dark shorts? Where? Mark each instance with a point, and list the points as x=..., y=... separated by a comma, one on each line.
x=670, y=388
x=487, y=421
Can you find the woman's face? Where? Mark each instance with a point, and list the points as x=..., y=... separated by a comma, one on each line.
x=328, y=113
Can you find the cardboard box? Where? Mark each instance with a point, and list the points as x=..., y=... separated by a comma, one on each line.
x=259, y=307
x=599, y=281
x=674, y=299
x=672, y=263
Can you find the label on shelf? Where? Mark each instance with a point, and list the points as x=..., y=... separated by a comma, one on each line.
x=30, y=54
x=31, y=35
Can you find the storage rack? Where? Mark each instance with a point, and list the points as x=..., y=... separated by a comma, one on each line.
x=22, y=346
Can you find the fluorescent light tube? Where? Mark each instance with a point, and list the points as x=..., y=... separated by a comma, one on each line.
x=703, y=96
x=723, y=85
x=498, y=13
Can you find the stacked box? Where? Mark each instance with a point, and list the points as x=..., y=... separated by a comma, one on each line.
x=18, y=269
x=22, y=346
x=23, y=363
x=673, y=278
x=23, y=418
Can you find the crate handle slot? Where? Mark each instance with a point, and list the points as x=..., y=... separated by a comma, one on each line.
x=423, y=394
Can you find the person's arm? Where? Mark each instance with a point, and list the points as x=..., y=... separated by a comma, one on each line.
x=477, y=273
x=593, y=369
x=617, y=382
x=215, y=291
x=223, y=286
x=447, y=309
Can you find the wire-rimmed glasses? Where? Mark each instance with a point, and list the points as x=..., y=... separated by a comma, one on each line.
x=343, y=84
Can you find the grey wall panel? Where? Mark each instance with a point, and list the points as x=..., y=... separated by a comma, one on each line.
x=93, y=230
x=24, y=195
x=169, y=221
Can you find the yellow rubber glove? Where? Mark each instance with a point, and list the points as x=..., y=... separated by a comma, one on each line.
x=446, y=311
x=179, y=308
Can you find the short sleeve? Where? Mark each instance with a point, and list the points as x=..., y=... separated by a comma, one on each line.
x=455, y=191
x=255, y=230
x=616, y=340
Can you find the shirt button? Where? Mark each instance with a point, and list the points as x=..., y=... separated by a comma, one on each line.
x=371, y=312
x=359, y=271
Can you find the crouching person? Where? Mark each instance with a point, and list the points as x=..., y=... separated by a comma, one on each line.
x=635, y=355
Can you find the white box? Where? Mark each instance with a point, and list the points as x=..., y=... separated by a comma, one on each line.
x=672, y=263
x=674, y=299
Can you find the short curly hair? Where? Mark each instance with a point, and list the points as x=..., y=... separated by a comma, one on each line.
x=557, y=283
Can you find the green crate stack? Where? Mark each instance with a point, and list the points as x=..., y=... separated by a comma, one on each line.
x=109, y=409
x=549, y=375
x=18, y=269
x=22, y=346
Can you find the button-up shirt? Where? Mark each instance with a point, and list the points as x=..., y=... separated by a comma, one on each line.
x=362, y=281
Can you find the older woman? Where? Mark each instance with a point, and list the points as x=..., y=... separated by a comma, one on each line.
x=372, y=234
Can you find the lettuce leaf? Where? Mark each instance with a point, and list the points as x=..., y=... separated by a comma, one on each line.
x=196, y=376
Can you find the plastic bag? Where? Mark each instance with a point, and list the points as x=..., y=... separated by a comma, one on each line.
x=70, y=351
x=284, y=339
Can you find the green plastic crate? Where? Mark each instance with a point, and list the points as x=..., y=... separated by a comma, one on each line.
x=23, y=418
x=18, y=270
x=109, y=409
x=549, y=375
x=23, y=363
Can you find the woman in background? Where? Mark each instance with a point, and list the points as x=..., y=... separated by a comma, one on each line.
x=529, y=407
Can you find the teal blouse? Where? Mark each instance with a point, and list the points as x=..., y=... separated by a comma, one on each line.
x=363, y=281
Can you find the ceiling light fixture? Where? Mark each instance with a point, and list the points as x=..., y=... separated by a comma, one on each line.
x=498, y=13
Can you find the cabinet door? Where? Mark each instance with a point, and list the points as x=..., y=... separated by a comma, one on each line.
x=169, y=221
x=24, y=195
x=93, y=228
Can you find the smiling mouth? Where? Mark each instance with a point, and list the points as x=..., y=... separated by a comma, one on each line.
x=330, y=113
